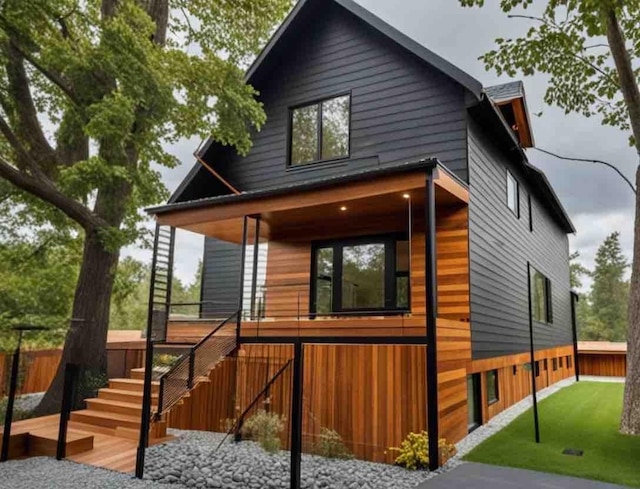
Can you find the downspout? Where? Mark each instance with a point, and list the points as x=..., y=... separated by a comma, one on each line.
x=574, y=326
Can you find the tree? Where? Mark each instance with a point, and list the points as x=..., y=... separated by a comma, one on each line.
x=576, y=271
x=91, y=92
x=590, y=77
x=610, y=290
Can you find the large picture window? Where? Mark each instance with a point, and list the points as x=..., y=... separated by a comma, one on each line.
x=360, y=275
x=320, y=131
x=541, y=297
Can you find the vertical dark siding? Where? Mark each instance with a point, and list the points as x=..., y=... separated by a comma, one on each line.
x=500, y=246
x=402, y=109
x=220, y=277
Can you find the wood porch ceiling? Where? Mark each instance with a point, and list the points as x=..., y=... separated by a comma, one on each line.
x=370, y=199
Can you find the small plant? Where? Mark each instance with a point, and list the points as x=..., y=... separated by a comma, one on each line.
x=265, y=428
x=331, y=445
x=414, y=451
x=164, y=360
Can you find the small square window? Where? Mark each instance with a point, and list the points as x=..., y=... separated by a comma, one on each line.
x=513, y=194
x=537, y=368
x=554, y=363
x=492, y=387
x=560, y=362
x=569, y=361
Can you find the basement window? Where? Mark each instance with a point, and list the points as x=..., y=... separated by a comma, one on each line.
x=492, y=387
x=320, y=131
x=554, y=363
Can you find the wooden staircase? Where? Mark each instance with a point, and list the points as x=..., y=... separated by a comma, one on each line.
x=118, y=408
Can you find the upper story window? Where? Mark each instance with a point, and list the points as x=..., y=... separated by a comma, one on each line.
x=513, y=194
x=541, y=297
x=320, y=131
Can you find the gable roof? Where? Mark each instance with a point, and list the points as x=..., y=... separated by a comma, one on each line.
x=297, y=14
x=505, y=91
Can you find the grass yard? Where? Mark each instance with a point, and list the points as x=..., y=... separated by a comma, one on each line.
x=583, y=416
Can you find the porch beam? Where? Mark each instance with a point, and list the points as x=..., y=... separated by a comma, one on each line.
x=431, y=292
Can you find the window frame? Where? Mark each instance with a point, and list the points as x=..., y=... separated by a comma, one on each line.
x=390, y=275
x=496, y=397
x=509, y=176
x=530, y=203
x=289, y=165
x=547, y=293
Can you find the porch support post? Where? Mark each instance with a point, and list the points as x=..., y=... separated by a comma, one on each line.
x=576, y=362
x=431, y=291
x=534, y=393
x=243, y=261
x=254, y=276
x=13, y=387
x=296, y=414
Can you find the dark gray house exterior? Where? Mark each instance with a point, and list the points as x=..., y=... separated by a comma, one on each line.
x=381, y=108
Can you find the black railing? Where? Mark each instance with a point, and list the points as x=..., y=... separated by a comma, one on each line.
x=197, y=362
x=264, y=393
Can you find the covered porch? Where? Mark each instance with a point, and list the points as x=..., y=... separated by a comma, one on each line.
x=340, y=257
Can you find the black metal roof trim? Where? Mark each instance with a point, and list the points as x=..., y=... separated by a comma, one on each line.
x=304, y=186
x=185, y=183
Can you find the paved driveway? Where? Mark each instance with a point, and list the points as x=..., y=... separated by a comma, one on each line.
x=481, y=476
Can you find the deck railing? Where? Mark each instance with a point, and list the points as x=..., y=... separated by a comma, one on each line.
x=196, y=363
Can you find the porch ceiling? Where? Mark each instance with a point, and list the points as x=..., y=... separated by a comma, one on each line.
x=373, y=198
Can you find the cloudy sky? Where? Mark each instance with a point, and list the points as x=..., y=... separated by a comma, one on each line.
x=597, y=200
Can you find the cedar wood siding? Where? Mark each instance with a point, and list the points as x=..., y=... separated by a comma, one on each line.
x=500, y=246
x=401, y=110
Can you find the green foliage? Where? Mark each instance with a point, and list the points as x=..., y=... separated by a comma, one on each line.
x=414, y=451
x=265, y=428
x=164, y=360
x=331, y=445
x=565, y=40
x=577, y=271
x=585, y=415
x=602, y=313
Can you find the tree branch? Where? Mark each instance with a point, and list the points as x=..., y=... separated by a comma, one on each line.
x=585, y=160
x=46, y=191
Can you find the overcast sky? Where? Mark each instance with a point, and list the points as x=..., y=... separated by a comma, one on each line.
x=597, y=200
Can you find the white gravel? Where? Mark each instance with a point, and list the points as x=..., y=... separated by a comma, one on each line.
x=47, y=473
x=191, y=460
x=28, y=402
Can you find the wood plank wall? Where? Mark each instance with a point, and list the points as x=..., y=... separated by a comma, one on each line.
x=289, y=263
x=600, y=364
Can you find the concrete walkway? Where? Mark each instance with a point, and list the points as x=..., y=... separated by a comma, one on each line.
x=482, y=476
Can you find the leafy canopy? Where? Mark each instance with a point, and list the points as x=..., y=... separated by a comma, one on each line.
x=566, y=40
x=92, y=92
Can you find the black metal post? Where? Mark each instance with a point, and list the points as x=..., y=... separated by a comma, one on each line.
x=243, y=260
x=431, y=282
x=68, y=395
x=574, y=326
x=296, y=415
x=145, y=421
x=254, y=275
x=534, y=392
x=13, y=387
x=192, y=367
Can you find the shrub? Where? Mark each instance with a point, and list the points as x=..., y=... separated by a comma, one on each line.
x=331, y=445
x=414, y=451
x=265, y=428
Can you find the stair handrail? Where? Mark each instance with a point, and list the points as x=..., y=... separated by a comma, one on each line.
x=190, y=357
x=237, y=425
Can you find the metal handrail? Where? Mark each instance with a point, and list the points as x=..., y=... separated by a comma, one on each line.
x=237, y=426
x=190, y=358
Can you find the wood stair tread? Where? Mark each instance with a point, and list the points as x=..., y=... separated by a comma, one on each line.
x=107, y=415
x=123, y=392
x=110, y=402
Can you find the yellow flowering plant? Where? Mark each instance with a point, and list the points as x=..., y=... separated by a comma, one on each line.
x=414, y=451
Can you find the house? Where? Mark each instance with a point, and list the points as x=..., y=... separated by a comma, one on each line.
x=386, y=232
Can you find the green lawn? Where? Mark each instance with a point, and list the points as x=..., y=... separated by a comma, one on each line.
x=584, y=416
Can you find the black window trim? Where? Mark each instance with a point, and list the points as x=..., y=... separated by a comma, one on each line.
x=390, y=277
x=497, y=387
x=289, y=166
x=515, y=211
x=548, y=296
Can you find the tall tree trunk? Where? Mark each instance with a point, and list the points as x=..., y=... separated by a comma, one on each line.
x=630, y=422
x=87, y=337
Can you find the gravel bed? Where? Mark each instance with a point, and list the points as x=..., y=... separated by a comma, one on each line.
x=46, y=473
x=191, y=460
x=28, y=402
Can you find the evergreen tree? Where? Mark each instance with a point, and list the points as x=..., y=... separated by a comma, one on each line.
x=610, y=290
